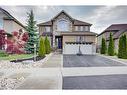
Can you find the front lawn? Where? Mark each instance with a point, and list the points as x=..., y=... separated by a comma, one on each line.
x=16, y=56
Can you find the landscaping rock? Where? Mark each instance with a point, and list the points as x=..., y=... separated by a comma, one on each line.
x=24, y=64
x=10, y=83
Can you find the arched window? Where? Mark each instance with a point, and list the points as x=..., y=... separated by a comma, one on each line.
x=62, y=25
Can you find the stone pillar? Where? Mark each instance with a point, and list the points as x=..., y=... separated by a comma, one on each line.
x=53, y=40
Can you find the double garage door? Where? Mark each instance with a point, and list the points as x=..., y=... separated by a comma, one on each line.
x=84, y=48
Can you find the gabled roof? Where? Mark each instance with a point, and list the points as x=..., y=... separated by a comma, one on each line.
x=78, y=22
x=75, y=21
x=115, y=27
x=48, y=23
x=62, y=12
x=118, y=28
x=10, y=17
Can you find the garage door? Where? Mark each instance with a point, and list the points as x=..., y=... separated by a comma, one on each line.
x=74, y=48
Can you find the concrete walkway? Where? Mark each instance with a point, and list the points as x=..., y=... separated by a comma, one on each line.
x=47, y=77
x=54, y=61
x=43, y=78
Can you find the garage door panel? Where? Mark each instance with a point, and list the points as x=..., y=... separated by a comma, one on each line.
x=71, y=49
x=86, y=49
x=74, y=48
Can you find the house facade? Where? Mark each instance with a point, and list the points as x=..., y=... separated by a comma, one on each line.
x=117, y=30
x=9, y=24
x=65, y=32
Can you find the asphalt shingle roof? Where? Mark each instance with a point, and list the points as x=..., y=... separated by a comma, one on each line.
x=117, y=28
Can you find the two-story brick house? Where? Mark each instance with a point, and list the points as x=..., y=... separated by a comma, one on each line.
x=65, y=32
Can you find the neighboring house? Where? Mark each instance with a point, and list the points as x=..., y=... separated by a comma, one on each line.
x=9, y=24
x=67, y=33
x=117, y=30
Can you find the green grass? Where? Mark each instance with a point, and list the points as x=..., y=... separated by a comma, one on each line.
x=16, y=56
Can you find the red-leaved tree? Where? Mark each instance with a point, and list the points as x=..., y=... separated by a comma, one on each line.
x=16, y=43
x=2, y=39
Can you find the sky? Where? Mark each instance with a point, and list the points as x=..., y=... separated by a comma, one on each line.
x=99, y=16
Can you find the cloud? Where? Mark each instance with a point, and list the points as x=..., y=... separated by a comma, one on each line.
x=104, y=16
x=100, y=16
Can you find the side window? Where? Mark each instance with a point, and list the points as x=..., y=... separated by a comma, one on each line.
x=1, y=24
x=47, y=29
x=86, y=28
x=81, y=28
x=79, y=38
x=76, y=28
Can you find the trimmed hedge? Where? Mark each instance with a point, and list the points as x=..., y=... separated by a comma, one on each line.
x=122, y=51
x=47, y=46
x=41, y=51
x=103, y=46
x=111, y=46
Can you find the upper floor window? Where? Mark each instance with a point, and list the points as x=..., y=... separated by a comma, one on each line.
x=76, y=28
x=63, y=25
x=86, y=28
x=47, y=29
x=1, y=24
x=79, y=28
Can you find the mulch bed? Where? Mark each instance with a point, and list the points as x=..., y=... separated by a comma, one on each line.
x=38, y=58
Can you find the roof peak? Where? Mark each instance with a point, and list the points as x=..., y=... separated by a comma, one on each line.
x=61, y=13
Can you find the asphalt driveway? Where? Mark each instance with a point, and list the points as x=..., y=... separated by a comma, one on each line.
x=88, y=61
x=95, y=82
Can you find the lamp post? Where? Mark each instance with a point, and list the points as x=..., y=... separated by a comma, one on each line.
x=34, y=52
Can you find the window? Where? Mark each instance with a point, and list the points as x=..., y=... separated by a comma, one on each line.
x=86, y=28
x=1, y=24
x=79, y=38
x=47, y=29
x=76, y=28
x=63, y=25
x=81, y=28
x=41, y=29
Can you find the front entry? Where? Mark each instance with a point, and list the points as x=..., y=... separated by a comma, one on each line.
x=59, y=42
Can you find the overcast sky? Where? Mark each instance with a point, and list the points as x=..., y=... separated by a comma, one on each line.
x=100, y=16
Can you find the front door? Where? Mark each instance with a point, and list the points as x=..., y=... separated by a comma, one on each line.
x=60, y=43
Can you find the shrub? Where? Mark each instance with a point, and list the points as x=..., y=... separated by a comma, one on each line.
x=41, y=51
x=47, y=46
x=124, y=55
x=120, y=47
x=122, y=51
x=111, y=46
x=103, y=46
x=3, y=54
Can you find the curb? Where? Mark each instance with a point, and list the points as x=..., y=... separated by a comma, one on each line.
x=113, y=59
